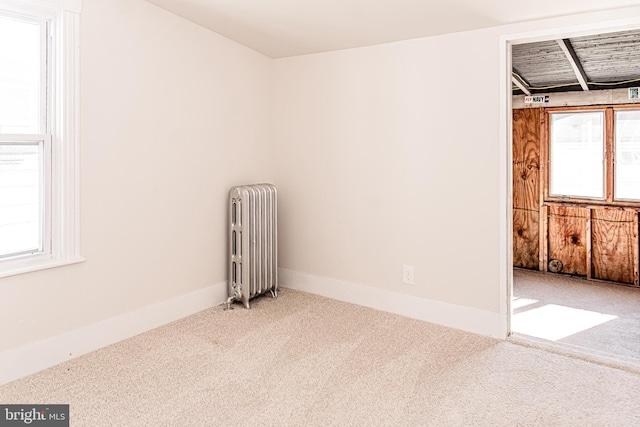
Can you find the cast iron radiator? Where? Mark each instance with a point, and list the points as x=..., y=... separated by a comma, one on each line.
x=253, y=242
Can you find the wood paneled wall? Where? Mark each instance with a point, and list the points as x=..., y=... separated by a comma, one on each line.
x=526, y=187
x=597, y=242
x=567, y=237
x=614, y=233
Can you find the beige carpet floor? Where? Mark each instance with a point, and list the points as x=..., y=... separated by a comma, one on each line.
x=304, y=360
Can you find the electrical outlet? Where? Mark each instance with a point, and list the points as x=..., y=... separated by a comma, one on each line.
x=408, y=275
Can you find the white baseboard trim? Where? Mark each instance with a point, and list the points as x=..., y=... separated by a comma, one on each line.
x=454, y=316
x=20, y=362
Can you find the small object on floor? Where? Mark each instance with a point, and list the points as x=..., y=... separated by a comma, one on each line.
x=555, y=266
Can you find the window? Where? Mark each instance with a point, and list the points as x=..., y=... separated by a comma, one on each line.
x=25, y=141
x=594, y=155
x=38, y=135
x=627, y=156
x=577, y=154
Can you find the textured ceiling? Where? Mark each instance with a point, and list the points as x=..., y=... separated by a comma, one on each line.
x=608, y=60
x=280, y=28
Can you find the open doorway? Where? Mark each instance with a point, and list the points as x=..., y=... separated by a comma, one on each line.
x=576, y=193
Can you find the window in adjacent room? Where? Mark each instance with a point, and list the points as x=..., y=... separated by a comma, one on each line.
x=594, y=155
x=576, y=154
x=627, y=155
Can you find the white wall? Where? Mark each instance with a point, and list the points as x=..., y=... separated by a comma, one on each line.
x=166, y=108
x=397, y=154
x=384, y=164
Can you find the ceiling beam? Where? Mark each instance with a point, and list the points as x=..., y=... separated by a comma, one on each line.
x=570, y=53
x=520, y=82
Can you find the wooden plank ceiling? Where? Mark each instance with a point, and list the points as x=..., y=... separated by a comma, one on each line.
x=596, y=62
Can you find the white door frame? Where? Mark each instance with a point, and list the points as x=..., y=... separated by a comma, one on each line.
x=604, y=24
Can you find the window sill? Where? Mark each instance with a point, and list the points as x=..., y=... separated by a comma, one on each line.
x=37, y=265
x=593, y=202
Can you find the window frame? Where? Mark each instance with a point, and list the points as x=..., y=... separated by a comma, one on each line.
x=614, y=153
x=60, y=135
x=604, y=154
x=42, y=138
x=609, y=154
x=44, y=143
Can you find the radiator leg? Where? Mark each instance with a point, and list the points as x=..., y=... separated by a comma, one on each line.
x=274, y=293
x=228, y=303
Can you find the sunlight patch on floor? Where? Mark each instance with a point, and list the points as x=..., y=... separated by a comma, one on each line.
x=555, y=322
x=522, y=302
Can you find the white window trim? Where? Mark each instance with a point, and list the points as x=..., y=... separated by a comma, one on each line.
x=65, y=179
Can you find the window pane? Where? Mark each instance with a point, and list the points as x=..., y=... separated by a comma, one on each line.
x=20, y=77
x=20, y=198
x=577, y=154
x=627, y=160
